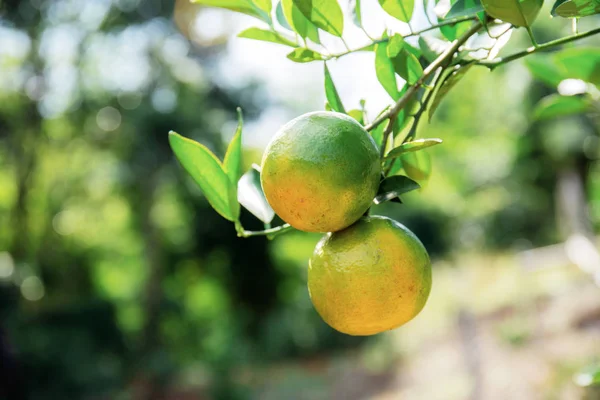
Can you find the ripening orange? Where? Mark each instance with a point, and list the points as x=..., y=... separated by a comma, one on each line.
x=369, y=278
x=321, y=172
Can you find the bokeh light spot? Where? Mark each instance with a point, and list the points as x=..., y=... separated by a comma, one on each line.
x=164, y=100
x=32, y=288
x=65, y=223
x=572, y=87
x=7, y=266
x=108, y=119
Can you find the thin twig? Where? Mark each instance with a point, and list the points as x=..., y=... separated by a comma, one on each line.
x=527, y=25
x=448, y=22
x=426, y=102
x=440, y=61
x=366, y=33
x=415, y=33
x=425, y=3
x=491, y=64
x=267, y=232
x=386, y=134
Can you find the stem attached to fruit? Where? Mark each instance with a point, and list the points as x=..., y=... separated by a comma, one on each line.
x=491, y=64
x=270, y=233
x=440, y=61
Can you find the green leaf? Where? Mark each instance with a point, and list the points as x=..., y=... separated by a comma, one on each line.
x=325, y=14
x=252, y=197
x=405, y=63
x=464, y=8
x=357, y=115
x=580, y=63
x=415, y=145
x=451, y=32
x=266, y=36
x=206, y=169
x=415, y=51
x=577, y=8
x=369, y=47
x=417, y=165
x=516, y=12
x=299, y=23
x=265, y=5
x=332, y=94
x=384, y=69
x=232, y=163
x=400, y=9
x=543, y=67
x=447, y=84
x=395, y=45
x=242, y=6
x=302, y=55
x=281, y=17
x=405, y=117
x=402, y=125
x=392, y=187
x=377, y=134
x=355, y=10
x=555, y=105
x=555, y=6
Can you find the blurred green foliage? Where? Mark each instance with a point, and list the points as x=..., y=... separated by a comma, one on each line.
x=116, y=276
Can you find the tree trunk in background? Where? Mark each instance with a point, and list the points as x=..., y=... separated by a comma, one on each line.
x=20, y=248
x=571, y=203
x=152, y=296
x=467, y=327
x=574, y=218
x=24, y=153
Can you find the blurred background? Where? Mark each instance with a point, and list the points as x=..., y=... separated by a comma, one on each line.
x=118, y=281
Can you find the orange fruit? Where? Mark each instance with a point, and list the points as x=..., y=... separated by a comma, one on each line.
x=369, y=278
x=321, y=172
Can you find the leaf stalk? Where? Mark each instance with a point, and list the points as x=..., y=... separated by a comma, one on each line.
x=270, y=233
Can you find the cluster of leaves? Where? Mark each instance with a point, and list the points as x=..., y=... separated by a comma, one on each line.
x=575, y=8
x=222, y=183
x=575, y=74
x=416, y=69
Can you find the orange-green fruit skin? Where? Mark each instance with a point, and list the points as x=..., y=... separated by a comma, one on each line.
x=369, y=278
x=321, y=172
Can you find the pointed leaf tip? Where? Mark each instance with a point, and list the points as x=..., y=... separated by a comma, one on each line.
x=415, y=145
x=207, y=171
x=393, y=186
x=331, y=93
x=233, y=157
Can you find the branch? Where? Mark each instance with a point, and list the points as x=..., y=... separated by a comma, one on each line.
x=272, y=232
x=431, y=68
x=491, y=64
x=426, y=103
x=453, y=21
x=386, y=134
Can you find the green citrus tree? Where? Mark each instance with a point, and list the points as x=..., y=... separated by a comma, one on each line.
x=322, y=171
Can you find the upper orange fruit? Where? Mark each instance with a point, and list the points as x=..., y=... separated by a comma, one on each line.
x=321, y=172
